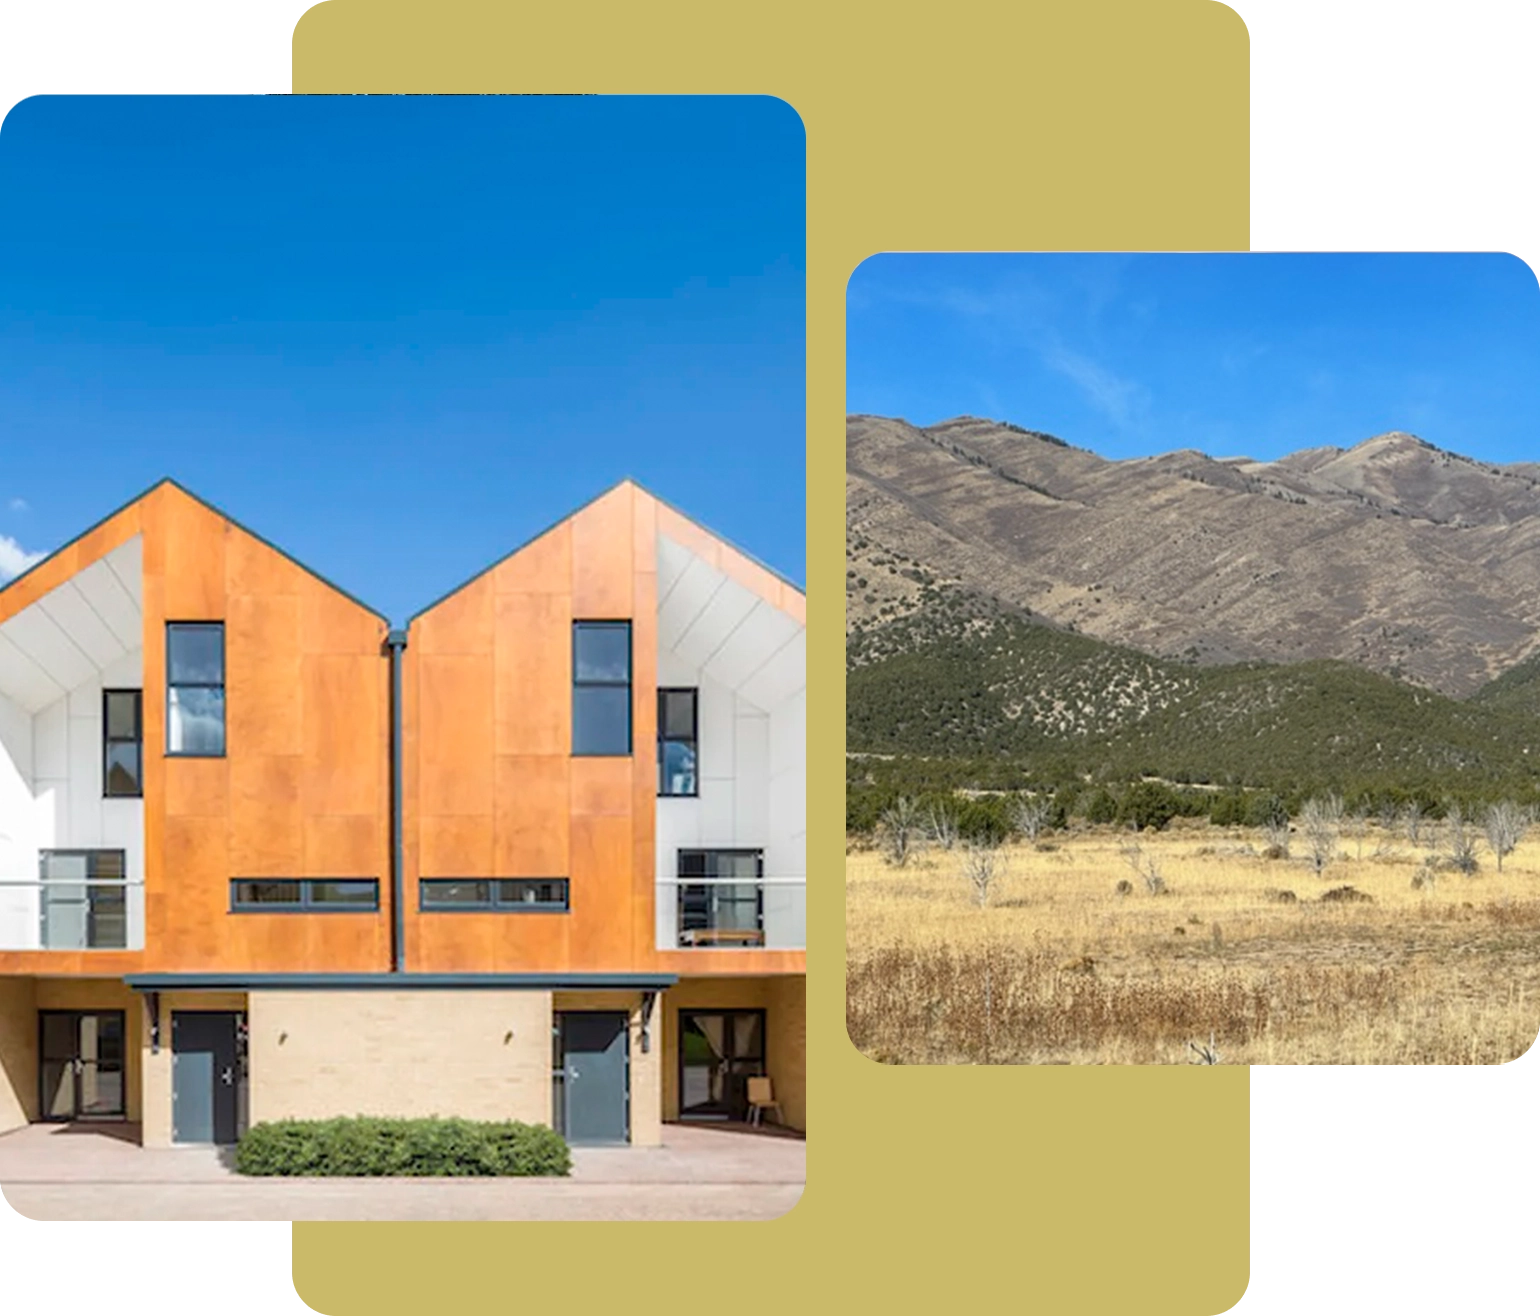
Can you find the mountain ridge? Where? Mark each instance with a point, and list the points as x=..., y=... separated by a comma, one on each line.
x=1394, y=555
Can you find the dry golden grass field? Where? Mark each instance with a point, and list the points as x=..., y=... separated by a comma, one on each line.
x=1058, y=968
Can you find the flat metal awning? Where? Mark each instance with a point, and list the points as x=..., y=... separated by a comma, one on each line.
x=186, y=982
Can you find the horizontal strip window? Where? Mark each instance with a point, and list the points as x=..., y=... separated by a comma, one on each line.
x=502, y=895
x=82, y=865
x=309, y=895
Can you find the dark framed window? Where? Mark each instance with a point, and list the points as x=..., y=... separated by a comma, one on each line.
x=84, y=902
x=719, y=1051
x=503, y=895
x=715, y=909
x=304, y=895
x=195, y=689
x=678, y=734
x=601, y=687
x=81, y=1056
x=122, y=743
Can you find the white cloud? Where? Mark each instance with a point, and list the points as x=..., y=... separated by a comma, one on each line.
x=19, y=505
x=14, y=559
x=1122, y=401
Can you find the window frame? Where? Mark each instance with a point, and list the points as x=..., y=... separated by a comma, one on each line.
x=88, y=885
x=710, y=882
x=664, y=740
x=221, y=686
x=494, y=904
x=628, y=685
x=109, y=740
x=306, y=904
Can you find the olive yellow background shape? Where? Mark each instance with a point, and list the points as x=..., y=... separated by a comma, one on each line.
x=956, y=126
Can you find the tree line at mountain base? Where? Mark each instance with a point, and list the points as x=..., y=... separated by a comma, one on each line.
x=981, y=800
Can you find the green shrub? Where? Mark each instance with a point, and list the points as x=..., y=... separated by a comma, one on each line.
x=984, y=821
x=1229, y=810
x=368, y=1145
x=1149, y=805
x=1102, y=807
x=1064, y=801
x=1264, y=809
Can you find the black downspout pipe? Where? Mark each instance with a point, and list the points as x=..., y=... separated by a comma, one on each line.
x=396, y=641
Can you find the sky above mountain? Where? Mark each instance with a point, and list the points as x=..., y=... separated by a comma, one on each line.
x=1233, y=353
x=399, y=335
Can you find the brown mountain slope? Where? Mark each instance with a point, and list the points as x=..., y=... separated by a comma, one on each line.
x=1392, y=554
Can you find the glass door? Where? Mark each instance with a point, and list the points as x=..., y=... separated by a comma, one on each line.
x=719, y=1051
x=81, y=1056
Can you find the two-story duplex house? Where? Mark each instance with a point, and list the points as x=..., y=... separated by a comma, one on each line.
x=539, y=854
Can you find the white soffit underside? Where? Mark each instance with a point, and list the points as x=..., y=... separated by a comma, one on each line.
x=75, y=631
x=726, y=630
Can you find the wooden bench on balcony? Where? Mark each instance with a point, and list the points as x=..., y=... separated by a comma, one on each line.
x=722, y=937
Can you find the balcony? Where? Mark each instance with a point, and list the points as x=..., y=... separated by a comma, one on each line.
x=732, y=913
x=79, y=914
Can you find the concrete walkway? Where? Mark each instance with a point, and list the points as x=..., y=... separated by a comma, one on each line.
x=99, y=1172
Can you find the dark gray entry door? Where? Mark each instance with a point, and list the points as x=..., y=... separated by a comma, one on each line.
x=595, y=1077
x=204, y=1081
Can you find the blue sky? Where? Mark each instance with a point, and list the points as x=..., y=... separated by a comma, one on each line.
x=399, y=335
x=1233, y=354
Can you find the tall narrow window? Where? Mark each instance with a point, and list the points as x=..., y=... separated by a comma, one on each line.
x=677, y=731
x=122, y=743
x=601, y=687
x=195, y=688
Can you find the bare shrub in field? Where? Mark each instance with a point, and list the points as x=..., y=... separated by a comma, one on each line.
x=1413, y=821
x=1146, y=866
x=898, y=829
x=1319, y=820
x=1355, y=823
x=1205, y=1055
x=1385, y=847
x=981, y=864
x=1031, y=816
x=1505, y=825
x=1460, y=841
x=941, y=825
x=1276, y=829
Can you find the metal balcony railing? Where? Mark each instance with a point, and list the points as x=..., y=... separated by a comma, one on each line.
x=732, y=913
x=74, y=914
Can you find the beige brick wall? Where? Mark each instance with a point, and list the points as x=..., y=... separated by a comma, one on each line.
x=476, y=1054
x=787, y=1047
x=646, y=1070
x=18, y=1052
x=155, y=1084
x=783, y=998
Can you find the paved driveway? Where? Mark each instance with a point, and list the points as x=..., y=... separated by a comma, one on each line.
x=99, y=1172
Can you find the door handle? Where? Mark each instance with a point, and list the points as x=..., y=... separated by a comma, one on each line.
x=227, y=1076
x=574, y=1073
